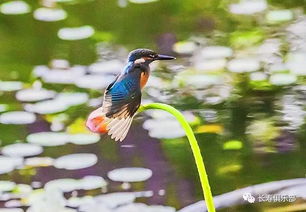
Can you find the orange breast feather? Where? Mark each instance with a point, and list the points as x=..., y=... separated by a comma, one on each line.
x=143, y=79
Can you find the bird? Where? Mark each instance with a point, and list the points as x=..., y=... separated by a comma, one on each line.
x=122, y=97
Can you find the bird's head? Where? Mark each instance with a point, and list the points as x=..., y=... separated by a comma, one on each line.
x=146, y=56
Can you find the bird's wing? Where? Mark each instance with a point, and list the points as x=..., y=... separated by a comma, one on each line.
x=121, y=101
x=122, y=97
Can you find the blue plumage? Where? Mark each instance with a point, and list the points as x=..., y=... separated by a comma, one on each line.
x=123, y=96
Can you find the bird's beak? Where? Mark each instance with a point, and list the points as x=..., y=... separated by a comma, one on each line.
x=164, y=57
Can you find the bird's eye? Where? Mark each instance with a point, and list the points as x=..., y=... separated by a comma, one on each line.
x=152, y=55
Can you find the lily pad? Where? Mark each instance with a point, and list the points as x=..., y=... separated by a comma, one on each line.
x=296, y=63
x=131, y=174
x=72, y=99
x=93, y=206
x=39, y=161
x=92, y=182
x=215, y=52
x=61, y=103
x=248, y=7
x=83, y=139
x=258, y=76
x=21, y=150
x=69, y=184
x=10, y=85
x=17, y=117
x=64, y=184
x=277, y=16
x=163, y=128
x=241, y=65
x=94, y=81
x=184, y=47
x=33, y=95
x=114, y=200
x=76, y=33
x=106, y=67
x=48, y=138
x=50, y=14
x=76, y=202
x=8, y=164
x=61, y=76
x=76, y=161
x=47, y=107
x=210, y=64
x=15, y=8
x=282, y=79
x=7, y=186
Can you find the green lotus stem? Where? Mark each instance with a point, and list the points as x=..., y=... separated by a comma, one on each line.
x=194, y=147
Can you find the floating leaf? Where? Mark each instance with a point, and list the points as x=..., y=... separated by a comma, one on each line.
x=6, y=186
x=15, y=8
x=210, y=65
x=97, y=82
x=61, y=103
x=296, y=63
x=92, y=182
x=277, y=16
x=33, y=95
x=58, y=76
x=215, y=52
x=39, y=161
x=10, y=85
x=114, y=200
x=163, y=128
x=47, y=107
x=241, y=65
x=64, y=184
x=68, y=184
x=8, y=164
x=84, y=139
x=258, y=76
x=48, y=138
x=76, y=161
x=184, y=47
x=21, y=150
x=106, y=67
x=282, y=79
x=131, y=174
x=76, y=33
x=248, y=7
x=17, y=117
x=50, y=14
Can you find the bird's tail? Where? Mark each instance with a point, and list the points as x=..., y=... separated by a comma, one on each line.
x=117, y=128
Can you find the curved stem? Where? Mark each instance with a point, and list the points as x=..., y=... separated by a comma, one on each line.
x=194, y=147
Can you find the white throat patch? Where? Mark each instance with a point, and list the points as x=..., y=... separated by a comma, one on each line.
x=140, y=60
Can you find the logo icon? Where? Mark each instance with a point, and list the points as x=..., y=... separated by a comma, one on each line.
x=248, y=197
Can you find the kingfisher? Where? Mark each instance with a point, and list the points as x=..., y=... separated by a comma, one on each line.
x=122, y=97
